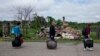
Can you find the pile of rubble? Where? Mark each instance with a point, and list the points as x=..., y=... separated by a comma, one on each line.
x=64, y=32
x=69, y=33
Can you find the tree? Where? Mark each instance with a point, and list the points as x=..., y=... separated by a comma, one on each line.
x=19, y=14
x=27, y=11
x=39, y=21
x=50, y=19
x=23, y=14
x=59, y=22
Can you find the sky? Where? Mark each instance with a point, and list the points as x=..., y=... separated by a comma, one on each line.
x=73, y=10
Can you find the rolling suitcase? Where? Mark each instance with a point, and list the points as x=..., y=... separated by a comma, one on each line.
x=88, y=43
x=51, y=44
x=16, y=42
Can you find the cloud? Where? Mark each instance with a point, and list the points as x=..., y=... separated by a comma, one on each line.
x=77, y=12
x=73, y=10
x=6, y=6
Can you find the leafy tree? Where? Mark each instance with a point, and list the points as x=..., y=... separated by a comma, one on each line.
x=50, y=19
x=38, y=22
x=59, y=22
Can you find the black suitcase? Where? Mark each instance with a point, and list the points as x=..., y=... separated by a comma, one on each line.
x=88, y=43
x=16, y=43
x=51, y=44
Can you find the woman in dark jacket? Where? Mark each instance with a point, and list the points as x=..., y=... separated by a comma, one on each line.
x=52, y=31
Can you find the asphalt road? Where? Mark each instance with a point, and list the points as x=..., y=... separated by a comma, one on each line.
x=39, y=49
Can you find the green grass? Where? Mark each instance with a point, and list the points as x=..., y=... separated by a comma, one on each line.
x=97, y=41
x=93, y=35
x=32, y=37
x=1, y=39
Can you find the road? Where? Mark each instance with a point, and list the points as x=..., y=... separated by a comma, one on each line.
x=39, y=49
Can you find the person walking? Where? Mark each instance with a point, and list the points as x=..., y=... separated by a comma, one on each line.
x=86, y=34
x=52, y=31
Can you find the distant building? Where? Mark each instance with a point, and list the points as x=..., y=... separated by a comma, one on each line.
x=6, y=28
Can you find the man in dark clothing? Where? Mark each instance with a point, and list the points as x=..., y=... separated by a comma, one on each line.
x=52, y=31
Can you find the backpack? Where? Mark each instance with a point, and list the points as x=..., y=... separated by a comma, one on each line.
x=84, y=31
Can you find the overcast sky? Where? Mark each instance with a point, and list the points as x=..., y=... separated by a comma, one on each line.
x=73, y=10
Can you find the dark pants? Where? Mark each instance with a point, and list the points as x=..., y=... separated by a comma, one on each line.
x=84, y=42
x=52, y=37
x=85, y=45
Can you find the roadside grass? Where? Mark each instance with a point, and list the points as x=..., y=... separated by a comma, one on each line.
x=31, y=36
x=1, y=39
x=93, y=36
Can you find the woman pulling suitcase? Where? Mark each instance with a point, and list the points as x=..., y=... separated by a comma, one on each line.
x=16, y=31
x=88, y=42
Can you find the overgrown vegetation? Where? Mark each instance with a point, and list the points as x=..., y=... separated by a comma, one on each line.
x=30, y=33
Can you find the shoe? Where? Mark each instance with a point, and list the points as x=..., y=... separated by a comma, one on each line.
x=91, y=49
x=85, y=49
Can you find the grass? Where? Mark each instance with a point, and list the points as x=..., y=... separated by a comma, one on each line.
x=97, y=41
x=93, y=36
x=31, y=37
x=1, y=39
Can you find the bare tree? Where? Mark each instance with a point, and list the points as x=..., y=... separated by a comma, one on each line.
x=19, y=14
x=27, y=11
x=24, y=14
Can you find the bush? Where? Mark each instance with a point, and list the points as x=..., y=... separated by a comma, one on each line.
x=93, y=35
